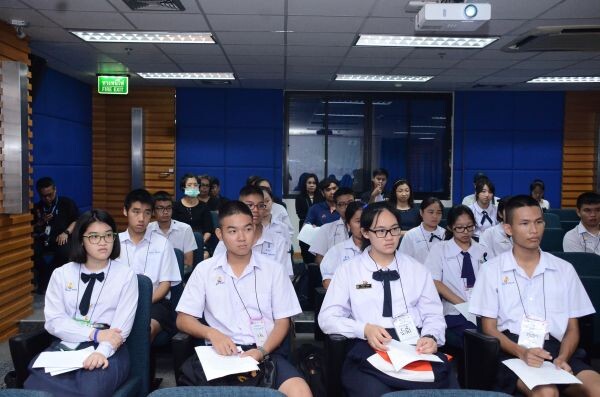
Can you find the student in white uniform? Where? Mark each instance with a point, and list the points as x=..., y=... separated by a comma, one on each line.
x=528, y=289
x=484, y=207
x=470, y=199
x=266, y=243
x=269, y=222
x=346, y=250
x=178, y=233
x=585, y=237
x=454, y=265
x=278, y=211
x=90, y=301
x=495, y=239
x=537, y=189
x=334, y=232
x=373, y=294
x=246, y=300
x=152, y=255
x=418, y=241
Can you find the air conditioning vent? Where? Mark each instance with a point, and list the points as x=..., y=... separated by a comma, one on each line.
x=155, y=5
x=558, y=38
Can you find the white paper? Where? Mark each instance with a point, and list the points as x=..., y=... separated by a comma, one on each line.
x=416, y=376
x=308, y=233
x=216, y=366
x=463, y=308
x=547, y=374
x=402, y=354
x=58, y=371
x=63, y=359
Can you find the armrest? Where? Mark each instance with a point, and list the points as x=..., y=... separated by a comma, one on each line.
x=182, y=347
x=481, y=360
x=586, y=335
x=319, y=297
x=335, y=354
x=23, y=348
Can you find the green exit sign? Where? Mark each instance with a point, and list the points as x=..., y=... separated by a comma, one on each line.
x=113, y=85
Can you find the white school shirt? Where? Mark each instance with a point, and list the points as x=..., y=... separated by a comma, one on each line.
x=416, y=242
x=554, y=284
x=495, y=241
x=545, y=204
x=478, y=212
x=347, y=309
x=212, y=291
x=113, y=302
x=180, y=235
x=277, y=227
x=280, y=215
x=329, y=235
x=445, y=263
x=338, y=254
x=579, y=239
x=153, y=257
x=271, y=245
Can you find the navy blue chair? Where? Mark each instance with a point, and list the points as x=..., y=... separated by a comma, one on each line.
x=23, y=393
x=568, y=225
x=216, y=391
x=552, y=241
x=552, y=220
x=199, y=252
x=565, y=214
x=445, y=393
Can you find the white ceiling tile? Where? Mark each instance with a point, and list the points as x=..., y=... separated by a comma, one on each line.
x=563, y=55
x=195, y=49
x=364, y=70
x=330, y=7
x=530, y=25
x=574, y=9
x=319, y=39
x=137, y=57
x=263, y=83
x=324, y=24
x=252, y=38
x=199, y=59
x=308, y=69
x=500, y=27
x=189, y=5
x=389, y=61
x=442, y=53
x=254, y=49
x=378, y=52
x=542, y=65
x=156, y=67
x=454, y=72
x=592, y=65
x=88, y=20
x=166, y=21
x=205, y=67
x=486, y=64
x=266, y=69
x=466, y=78
x=519, y=9
x=70, y=5
x=249, y=23
x=401, y=26
x=523, y=74
x=310, y=50
x=310, y=76
x=391, y=8
x=122, y=48
x=261, y=7
x=256, y=59
x=315, y=60
x=13, y=4
x=260, y=75
x=32, y=17
x=51, y=34
x=498, y=54
x=417, y=71
x=572, y=72
x=428, y=63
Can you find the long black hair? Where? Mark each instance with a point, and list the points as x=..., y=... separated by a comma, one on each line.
x=453, y=215
x=370, y=215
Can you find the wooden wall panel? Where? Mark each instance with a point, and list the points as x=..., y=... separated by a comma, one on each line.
x=15, y=230
x=582, y=118
x=112, y=145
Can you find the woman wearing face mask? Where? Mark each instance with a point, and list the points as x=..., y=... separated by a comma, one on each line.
x=418, y=241
x=401, y=198
x=191, y=210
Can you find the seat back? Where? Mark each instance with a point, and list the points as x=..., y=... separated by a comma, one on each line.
x=445, y=393
x=552, y=240
x=199, y=252
x=568, y=225
x=23, y=393
x=215, y=218
x=177, y=290
x=481, y=360
x=552, y=220
x=564, y=214
x=216, y=391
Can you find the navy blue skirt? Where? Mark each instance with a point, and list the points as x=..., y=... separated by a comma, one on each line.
x=82, y=383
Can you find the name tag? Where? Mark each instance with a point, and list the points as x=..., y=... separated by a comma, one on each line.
x=533, y=333
x=363, y=285
x=266, y=249
x=406, y=329
x=259, y=331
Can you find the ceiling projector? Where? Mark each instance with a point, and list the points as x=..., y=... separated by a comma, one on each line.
x=452, y=17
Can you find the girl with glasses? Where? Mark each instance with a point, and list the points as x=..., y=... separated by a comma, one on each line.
x=90, y=301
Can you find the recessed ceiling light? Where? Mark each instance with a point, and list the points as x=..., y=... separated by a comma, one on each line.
x=145, y=37
x=188, y=76
x=424, y=41
x=382, y=77
x=566, y=79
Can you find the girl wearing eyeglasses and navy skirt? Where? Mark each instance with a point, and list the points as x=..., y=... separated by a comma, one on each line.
x=90, y=301
x=379, y=295
x=454, y=265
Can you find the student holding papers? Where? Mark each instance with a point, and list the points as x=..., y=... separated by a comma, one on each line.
x=379, y=295
x=245, y=298
x=90, y=302
x=530, y=300
x=454, y=265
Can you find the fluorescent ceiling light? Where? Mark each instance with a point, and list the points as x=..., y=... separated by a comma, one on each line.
x=188, y=76
x=566, y=79
x=382, y=77
x=424, y=41
x=145, y=37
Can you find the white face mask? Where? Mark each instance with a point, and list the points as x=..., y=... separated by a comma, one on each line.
x=192, y=192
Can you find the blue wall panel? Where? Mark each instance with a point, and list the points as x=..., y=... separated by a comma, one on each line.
x=231, y=134
x=514, y=137
x=62, y=136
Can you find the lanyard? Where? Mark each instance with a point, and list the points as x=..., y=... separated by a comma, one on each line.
x=255, y=294
x=147, y=251
x=521, y=298
x=54, y=207
x=100, y=293
x=584, y=240
x=399, y=278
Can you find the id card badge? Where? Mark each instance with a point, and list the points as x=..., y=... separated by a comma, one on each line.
x=406, y=329
x=259, y=331
x=533, y=333
x=48, y=230
x=468, y=292
x=266, y=250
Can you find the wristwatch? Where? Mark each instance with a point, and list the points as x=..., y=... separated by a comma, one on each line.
x=430, y=336
x=67, y=232
x=262, y=351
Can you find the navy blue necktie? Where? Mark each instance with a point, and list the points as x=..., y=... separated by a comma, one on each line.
x=386, y=277
x=467, y=270
x=434, y=236
x=90, y=280
x=486, y=217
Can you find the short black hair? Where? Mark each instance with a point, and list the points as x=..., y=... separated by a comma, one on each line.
x=233, y=207
x=77, y=251
x=392, y=199
x=501, y=205
x=537, y=183
x=161, y=195
x=252, y=179
x=478, y=176
x=430, y=201
x=342, y=192
x=380, y=171
x=520, y=201
x=203, y=176
x=324, y=184
x=352, y=209
x=138, y=195
x=453, y=215
x=370, y=214
x=587, y=198
x=250, y=190
x=215, y=181
x=43, y=183
x=184, y=179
